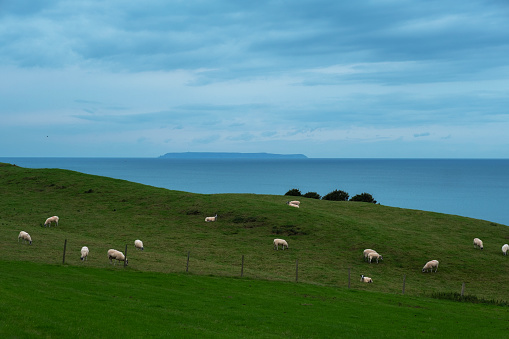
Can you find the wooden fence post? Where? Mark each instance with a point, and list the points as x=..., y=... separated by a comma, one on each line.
x=404, y=279
x=187, y=266
x=349, y=278
x=125, y=256
x=63, y=258
x=297, y=270
x=462, y=288
x=242, y=268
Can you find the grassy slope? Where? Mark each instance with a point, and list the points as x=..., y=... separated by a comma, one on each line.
x=104, y=213
x=70, y=301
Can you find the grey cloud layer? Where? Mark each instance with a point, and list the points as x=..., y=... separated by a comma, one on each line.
x=264, y=37
x=238, y=74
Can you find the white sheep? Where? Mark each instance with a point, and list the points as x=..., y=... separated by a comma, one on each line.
x=138, y=244
x=293, y=205
x=366, y=252
x=119, y=256
x=293, y=202
x=478, y=243
x=50, y=220
x=429, y=266
x=366, y=279
x=281, y=242
x=84, y=253
x=25, y=237
x=505, y=249
x=374, y=255
x=208, y=219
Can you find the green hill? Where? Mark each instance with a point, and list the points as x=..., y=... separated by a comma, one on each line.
x=67, y=301
x=327, y=238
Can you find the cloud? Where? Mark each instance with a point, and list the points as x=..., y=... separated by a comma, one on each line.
x=245, y=75
x=207, y=139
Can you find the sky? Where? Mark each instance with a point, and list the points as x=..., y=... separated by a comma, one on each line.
x=324, y=78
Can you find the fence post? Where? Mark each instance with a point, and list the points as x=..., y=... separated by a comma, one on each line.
x=349, y=278
x=404, y=279
x=63, y=258
x=125, y=256
x=297, y=270
x=462, y=288
x=242, y=269
x=187, y=266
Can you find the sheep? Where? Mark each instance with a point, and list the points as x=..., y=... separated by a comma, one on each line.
x=138, y=244
x=478, y=243
x=84, y=253
x=374, y=255
x=293, y=205
x=505, y=249
x=281, y=242
x=366, y=279
x=366, y=252
x=293, y=202
x=208, y=219
x=429, y=266
x=25, y=237
x=50, y=220
x=119, y=256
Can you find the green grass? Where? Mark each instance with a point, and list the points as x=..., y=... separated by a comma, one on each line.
x=71, y=301
x=327, y=238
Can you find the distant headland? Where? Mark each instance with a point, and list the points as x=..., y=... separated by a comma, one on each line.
x=228, y=155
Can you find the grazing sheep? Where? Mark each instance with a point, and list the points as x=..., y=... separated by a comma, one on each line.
x=366, y=279
x=478, y=243
x=429, y=266
x=366, y=252
x=293, y=202
x=119, y=256
x=50, y=220
x=138, y=244
x=208, y=219
x=281, y=242
x=374, y=255
x=84, y=253
x=505, y=249
x=25, y=237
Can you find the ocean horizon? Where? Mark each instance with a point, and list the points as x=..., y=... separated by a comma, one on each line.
x=475, y=188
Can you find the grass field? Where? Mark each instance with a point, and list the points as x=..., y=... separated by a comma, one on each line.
x=72, y=301
x=327, y=238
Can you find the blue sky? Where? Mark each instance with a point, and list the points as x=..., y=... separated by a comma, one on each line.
x=324, y=78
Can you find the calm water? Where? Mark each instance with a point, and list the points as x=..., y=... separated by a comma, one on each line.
x=472, y=188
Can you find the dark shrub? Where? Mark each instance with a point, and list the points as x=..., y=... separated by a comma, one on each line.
x=312, y=195
x=364, y=197
x=294, y=192
x=336, y=195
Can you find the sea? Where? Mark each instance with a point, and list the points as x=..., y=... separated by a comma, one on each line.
x=475, y=188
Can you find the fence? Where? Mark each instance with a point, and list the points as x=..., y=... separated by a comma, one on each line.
x=242, y=269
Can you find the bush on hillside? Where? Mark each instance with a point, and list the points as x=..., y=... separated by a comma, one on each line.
x=294, y=192
x=336, y=195
x=312, y=195
x=363, y=197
